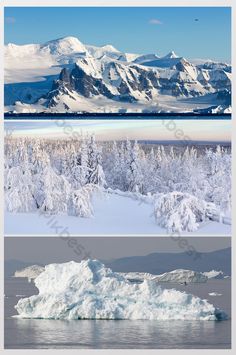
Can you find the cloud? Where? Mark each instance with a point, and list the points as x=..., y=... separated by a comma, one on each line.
x=10, y=19
x=155, y=21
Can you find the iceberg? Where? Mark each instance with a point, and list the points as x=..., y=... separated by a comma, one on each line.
x=181, y=275
x=215, y=274
x=214, y=294
x=31, y=272
x=178, y=275
x=89, y=290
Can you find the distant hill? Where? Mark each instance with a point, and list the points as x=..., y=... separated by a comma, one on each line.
x=157, y=263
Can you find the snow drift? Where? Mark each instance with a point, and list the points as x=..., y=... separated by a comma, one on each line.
x=89, y=290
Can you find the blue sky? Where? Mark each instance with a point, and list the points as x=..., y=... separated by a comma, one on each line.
x=138, y=30
x=195, y=130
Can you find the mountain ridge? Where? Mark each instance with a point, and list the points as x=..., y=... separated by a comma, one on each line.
x=86, y=78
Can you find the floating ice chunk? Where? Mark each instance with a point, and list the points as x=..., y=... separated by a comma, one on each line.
x=89, y=290
x=178, y=275
x=215, y=274
x=181, y=275
x=31, y=272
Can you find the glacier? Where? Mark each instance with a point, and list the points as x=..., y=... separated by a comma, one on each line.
x=89, y=290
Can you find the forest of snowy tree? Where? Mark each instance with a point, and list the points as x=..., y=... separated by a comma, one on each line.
x=184, y=184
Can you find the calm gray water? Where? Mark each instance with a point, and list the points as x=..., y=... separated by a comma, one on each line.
x=98, y=334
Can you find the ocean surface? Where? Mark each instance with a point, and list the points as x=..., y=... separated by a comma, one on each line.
x=115, y=334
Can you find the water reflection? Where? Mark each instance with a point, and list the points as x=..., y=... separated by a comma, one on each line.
x=40, y=333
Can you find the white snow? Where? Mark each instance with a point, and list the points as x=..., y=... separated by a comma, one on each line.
x=179, y=211
x=121, y=186
x=88, y=290
x=101, y=104
x=32, y=62
x=112, y=215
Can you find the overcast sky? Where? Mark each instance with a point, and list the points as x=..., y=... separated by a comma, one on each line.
x=164, y=129
x=53, y=249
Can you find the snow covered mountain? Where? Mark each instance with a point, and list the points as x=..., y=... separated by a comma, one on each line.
x=64, y=75
x=159, y=263
x=31, y=272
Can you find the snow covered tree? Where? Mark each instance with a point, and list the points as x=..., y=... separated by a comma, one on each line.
x=79, y=203
x=84, y=172
x=218, y=175
x=179, y=212
x=44, y=173
x=96, y=174
x=150, y=173
x=18, y=191
x=51, y=191
x=134, y=171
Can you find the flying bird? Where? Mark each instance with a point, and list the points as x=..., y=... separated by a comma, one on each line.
x=196, y=19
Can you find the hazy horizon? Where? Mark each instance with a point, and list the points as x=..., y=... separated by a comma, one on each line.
x=147, y=130
x=56, y=249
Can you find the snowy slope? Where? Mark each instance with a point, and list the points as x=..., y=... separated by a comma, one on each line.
x=31, y=62
x=89, y=290
x=64, y=75
x=112, y=215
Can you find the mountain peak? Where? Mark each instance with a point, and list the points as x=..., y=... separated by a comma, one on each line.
x=65, y=45
x=171, y=54
x=110, y=48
